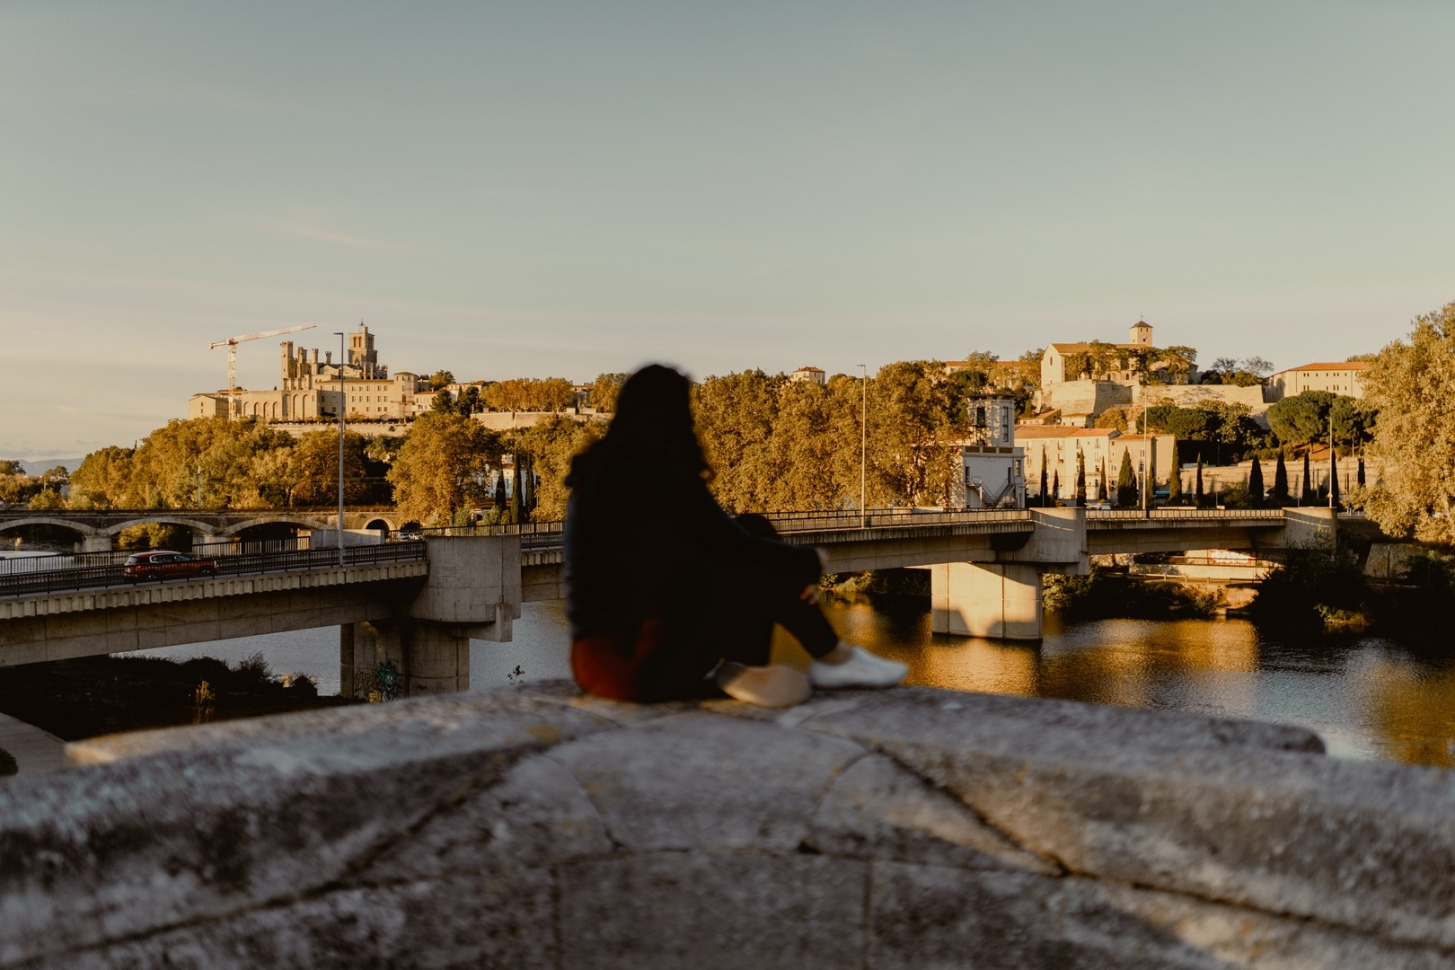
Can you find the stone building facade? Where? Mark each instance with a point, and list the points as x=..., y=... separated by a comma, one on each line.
x=310, y=388
x=1345, y=378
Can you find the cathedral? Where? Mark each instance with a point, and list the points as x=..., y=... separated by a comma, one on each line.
x=310, y=389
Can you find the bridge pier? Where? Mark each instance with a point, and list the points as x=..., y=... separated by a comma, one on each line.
x=95, y=543
x=1000, y=601
x=402, y=658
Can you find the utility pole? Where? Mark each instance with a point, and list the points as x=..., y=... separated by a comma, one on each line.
x=863, y=446
x=342, y=407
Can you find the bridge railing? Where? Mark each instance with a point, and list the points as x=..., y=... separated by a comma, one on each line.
x=1179, y=514
x=548, y=534
x=213, y=549
x=110, y=574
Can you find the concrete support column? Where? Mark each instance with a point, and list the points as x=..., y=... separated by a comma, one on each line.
x=1000, y=601
x=100, y=543
x=371, y=660
x=437, y=659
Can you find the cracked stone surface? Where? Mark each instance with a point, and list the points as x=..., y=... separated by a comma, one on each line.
x=905, y=828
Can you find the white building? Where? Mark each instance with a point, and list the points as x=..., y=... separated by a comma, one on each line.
x=994, y=467
x=1345, y=378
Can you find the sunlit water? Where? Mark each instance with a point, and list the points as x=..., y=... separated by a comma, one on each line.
x=1368, y=698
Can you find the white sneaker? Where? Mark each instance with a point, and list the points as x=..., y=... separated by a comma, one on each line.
x=772, y=686
x=863, y=669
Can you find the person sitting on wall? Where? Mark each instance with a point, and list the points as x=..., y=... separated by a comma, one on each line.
x=668, y=596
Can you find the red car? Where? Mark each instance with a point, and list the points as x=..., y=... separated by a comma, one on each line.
x=165, y=564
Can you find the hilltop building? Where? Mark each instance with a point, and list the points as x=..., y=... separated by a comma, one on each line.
x=1063, y=362
x=309, y=388
x=1345, y=378
x=814, y=375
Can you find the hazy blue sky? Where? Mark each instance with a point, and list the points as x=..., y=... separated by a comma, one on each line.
x=566, y=188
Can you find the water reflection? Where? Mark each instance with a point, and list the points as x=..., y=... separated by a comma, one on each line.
x=1368, y=698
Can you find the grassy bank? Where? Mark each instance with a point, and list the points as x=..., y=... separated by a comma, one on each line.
x=90, y=696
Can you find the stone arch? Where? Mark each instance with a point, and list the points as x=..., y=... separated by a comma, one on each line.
x=296, y=521
x=297, y=406
x=379, y=523
x=86, y=535
x=197, y=526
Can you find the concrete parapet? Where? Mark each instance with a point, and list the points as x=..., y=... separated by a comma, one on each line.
x=908, y=828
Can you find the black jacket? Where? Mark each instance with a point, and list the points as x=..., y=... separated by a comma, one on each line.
x=637, y=523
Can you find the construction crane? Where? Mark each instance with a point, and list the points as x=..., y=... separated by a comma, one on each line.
x=231, y=344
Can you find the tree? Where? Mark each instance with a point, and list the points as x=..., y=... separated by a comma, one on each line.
x=1306, y=496
x=550, y=446
x=1101, y=492
x=1080, y=479
x=310, y=476
x=443, y=403
x=604, y=391
x=1055, y=488
x=1199, y=497
x=1334, y=500
x=1303, y=418
x=103, y=480
x=1045, y=484
x=1126, y=481
x=1279, y=496
x=469, y=401
x=1411, y=383
x=1359, y=476
x=443, y=467
x=1255, y=484
x=440, y=379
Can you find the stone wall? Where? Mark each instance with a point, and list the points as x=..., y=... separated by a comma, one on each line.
x=909, y=828
x=1193, y=395
x=1085, y=397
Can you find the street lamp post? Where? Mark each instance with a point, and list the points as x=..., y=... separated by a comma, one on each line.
x=342, y=407
x=863, y=445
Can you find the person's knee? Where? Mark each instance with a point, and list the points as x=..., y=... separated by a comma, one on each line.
x=757, y=525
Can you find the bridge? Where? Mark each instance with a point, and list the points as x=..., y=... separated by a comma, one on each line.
x=416, y=605
x=96, y=530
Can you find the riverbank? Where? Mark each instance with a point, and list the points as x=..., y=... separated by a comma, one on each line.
x=92, y=696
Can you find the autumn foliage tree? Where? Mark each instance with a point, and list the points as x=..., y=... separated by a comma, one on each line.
x=443, y=468
x=1412, y=384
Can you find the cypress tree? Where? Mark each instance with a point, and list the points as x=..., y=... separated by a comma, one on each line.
x=1101, y=486
x=517, y=504
x=1126, y=482
x=1279, y=495
x=1306, y=497
x=500, y=499
x=1359, y=477
x=1174, y=480
x=1199, y=498
x=1055, y=487
x=1045, y=485
x=1080, y=480
x=1335, y=501
x=1255, y=483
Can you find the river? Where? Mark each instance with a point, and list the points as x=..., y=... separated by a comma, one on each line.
x=1368, y=697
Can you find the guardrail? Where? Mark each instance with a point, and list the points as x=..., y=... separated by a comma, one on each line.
x=10, y=565
x=547, y=534
x=1175, y=515
x=110, y=574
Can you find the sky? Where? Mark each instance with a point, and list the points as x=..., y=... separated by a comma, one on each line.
x=561, y=189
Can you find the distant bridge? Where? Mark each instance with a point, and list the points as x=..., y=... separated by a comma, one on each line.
x=96, y=530
x=418, y=609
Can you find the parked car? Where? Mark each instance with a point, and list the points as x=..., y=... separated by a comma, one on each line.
x=165, y=564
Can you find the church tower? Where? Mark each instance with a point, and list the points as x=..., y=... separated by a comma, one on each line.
x=1141, y=334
